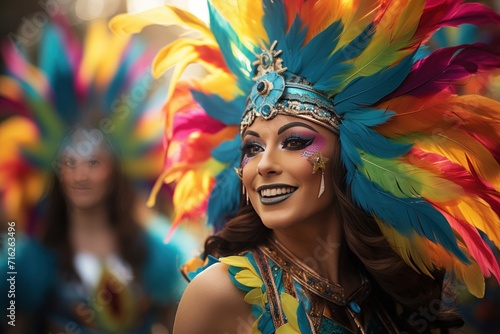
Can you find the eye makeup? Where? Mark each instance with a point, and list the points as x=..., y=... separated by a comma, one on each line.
x=316, y=146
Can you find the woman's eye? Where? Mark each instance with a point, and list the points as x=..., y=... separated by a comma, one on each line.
x=93, y=162
x=297, y=143
x=251, y=149
x=70, y=163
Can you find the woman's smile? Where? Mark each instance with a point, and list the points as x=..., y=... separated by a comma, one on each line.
x=275, y=193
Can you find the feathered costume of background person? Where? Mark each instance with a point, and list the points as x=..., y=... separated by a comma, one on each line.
x=105, y=79
x=105, y=82
x=422, y=160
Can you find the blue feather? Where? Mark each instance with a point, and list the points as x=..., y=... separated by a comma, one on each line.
x=227, y=39
x=315, y=54
x=54, y=62
x=405, y=214
x=335, y=66
x=349, y=154
x=365, y=91
x=221, y=206
x=294, y=40
x=370, y=141
x=228, y=151
x=303, y=320
x=274, y=22
x=228, y=112
x=368, y=116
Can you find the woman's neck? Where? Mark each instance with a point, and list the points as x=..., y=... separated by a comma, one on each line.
x=91, y=232
x=87, y=220
x=323, y=249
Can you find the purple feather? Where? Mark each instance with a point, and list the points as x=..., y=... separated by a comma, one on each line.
x=446, y=66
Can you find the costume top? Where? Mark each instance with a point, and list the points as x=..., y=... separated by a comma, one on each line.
x=289, y=297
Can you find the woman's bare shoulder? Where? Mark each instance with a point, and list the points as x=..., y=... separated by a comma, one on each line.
x=212, y=304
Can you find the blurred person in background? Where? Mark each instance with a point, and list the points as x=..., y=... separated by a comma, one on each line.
x=82, y=124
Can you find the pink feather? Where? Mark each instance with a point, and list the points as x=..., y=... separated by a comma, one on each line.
x=477, y=247
x=435, y=72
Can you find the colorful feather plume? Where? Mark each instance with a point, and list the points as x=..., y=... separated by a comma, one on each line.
x=421, y=158
x=105, y=78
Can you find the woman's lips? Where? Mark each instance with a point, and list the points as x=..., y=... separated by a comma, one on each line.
x=275, y=193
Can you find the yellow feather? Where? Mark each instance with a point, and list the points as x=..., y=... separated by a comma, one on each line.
x=392, y=38
x=356, y=18
x=166, y=16
x=221, y=83
x=245, y=16
x=95, y=45
x=239, y=262
x=180, y=53
x=421, y=253
x=476, y=212
x=461, y=149
x=290, y=306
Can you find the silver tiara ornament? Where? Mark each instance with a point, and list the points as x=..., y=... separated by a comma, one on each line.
x=272, y=94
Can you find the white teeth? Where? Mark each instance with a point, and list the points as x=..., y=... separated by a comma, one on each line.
x=275, y=191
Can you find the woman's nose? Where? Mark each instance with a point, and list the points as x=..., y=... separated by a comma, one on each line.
x=269, y=163
x=81, y=172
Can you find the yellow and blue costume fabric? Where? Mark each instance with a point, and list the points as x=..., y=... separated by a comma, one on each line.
x=287, y=297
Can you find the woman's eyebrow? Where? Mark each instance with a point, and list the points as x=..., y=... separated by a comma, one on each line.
x=251, y=133
x=294, y=124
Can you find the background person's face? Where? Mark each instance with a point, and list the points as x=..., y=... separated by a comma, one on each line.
x=279, y=149
x=86, y=178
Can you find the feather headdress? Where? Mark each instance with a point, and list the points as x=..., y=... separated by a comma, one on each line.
x=104, y=79
x=421, y=159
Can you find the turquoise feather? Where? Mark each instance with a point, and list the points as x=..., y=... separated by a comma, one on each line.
x=294, y=40
x=405, y=214
x=315, y=54
x=216, y=107
x=368, y=116
x=226, y=38
x=368, y=90
x=59, y=73
x=371, y=141
x=336, y=64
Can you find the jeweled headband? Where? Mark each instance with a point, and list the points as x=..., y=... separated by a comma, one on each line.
x=277, y=92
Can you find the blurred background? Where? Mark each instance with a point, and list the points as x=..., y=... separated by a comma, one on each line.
x=23, y=176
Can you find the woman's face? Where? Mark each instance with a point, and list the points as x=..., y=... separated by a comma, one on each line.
x=278, y=172
x=86, y=174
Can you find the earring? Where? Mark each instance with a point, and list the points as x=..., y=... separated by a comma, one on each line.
x=319, y=162
x=248, y=200
x=244, y=192
x=239, y=172
x=322, y=185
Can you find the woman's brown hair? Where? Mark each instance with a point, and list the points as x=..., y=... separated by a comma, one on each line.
x=131, y=246
x=392, y=276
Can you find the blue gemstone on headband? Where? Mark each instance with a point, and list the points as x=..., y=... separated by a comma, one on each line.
x=261, y=86
x=265, y=110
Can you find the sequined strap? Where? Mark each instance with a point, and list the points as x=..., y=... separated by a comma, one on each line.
x=315, y=283
x=271, y=290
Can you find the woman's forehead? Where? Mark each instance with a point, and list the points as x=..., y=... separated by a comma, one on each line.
x=83, y=149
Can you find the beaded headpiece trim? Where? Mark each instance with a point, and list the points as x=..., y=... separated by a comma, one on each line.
x=277, y=92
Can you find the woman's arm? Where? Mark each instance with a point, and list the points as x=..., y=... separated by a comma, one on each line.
x=211, y=304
